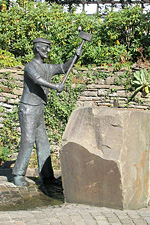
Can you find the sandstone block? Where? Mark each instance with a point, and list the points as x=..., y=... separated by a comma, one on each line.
x=8, y=95
x=122, y=93
x=100, y=81
x=105, y=157
x=90, y=93
x=6, y=89
x=101, y=92
x=110, y=80
x=17, y=91
x=17, y=76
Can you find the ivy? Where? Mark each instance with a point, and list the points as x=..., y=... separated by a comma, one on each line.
x=59, y=108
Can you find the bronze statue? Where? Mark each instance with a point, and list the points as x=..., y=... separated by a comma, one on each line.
x=37, y=77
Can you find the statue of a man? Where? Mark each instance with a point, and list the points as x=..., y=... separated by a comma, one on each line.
x=37, y=77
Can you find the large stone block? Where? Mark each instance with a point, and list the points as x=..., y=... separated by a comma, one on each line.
x=105, y=157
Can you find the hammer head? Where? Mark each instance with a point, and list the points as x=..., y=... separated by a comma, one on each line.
x=85, y=36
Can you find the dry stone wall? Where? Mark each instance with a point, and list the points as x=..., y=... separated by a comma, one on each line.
x=103, y=92
x=11, y=86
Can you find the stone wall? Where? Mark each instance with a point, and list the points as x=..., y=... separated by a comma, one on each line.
x=11, y=86
x=103, y=92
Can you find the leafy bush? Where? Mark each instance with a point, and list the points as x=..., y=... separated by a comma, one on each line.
x=10, y=135
x=115, y=39
x=59, y=108
x=4, y=153
x=7, y=59
x=129, y=27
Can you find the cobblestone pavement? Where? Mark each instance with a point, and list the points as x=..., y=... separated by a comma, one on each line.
x=60, y=214
x=71, y=214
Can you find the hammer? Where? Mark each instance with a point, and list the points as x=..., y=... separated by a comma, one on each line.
x=85, y=37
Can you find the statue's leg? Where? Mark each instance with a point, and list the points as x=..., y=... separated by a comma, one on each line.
x=28, y=127
x=43, y=153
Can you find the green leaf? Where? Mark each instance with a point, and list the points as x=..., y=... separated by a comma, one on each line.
x=146, y=90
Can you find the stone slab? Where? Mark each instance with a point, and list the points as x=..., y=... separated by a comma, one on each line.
x=105, y=157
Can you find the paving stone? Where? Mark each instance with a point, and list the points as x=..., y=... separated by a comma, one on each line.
x=53, y=220
x=27, y=219
x=54, y=223
x=42, y=221
x=145, y=214
x=121, y=216
x=4, y=219
x=100, y=218
x=126, y=222
x=38, y=215
x=75, y=217
x=109, y=215
x=66, y=223
x=26, y=214
x=19, y=223
x=139, y=221
x=113, y=220
x=31, y=223
x=8, y=223
x=103, y=223
x=50, y=215
x=119, y=223
x=16, y=219
x=43, y=224
x=81, y=223
x=147, y=219
x=134, y=216
x=97, y=214
x=90, y=222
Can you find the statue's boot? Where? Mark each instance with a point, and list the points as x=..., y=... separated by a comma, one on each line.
x=20, y=181
x=52, y=180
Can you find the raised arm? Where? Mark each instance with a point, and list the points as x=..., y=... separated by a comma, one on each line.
x=63, y=68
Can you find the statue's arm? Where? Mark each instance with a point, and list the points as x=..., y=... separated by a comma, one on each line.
x=63, y=68
x=60, y=68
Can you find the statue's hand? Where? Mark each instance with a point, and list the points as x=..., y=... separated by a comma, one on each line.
x=59, y=87
x=79, y=52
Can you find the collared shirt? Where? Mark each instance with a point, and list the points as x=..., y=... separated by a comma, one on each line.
x=33, y=92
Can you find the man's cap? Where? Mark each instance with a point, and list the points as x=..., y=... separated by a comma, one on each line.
x=43, y=40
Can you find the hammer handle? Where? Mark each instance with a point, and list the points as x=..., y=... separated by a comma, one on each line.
x=70, y=67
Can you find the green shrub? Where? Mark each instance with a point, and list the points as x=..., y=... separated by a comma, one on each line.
x=59, y=108
x=129, y=27
x=116, y=39
x=4, y=153
x=7, y=59
x=9, y=134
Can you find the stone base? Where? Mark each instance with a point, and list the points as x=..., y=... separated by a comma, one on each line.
x=105, y=158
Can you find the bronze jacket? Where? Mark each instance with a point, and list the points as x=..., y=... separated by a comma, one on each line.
x=34, y=91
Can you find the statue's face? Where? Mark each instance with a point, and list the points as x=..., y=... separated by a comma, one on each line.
x=43, y=49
